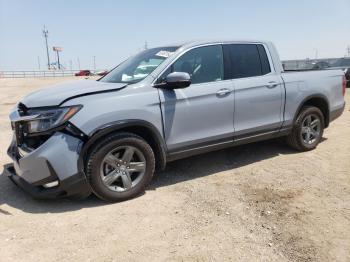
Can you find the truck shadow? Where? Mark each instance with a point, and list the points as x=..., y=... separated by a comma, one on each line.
x=176, y=172
x=219, y=161
x=13, y=196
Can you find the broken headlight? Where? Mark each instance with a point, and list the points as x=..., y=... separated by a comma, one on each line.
x=41, y=120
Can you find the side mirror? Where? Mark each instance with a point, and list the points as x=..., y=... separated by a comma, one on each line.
x=176, y=80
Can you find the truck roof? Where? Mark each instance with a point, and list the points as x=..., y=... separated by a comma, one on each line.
x=215, y=41
x=270, y=46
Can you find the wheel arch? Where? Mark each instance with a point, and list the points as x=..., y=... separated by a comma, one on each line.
x=141, y=128
x=318, y=100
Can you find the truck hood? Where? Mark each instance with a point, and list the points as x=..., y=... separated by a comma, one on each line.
x=56, y=94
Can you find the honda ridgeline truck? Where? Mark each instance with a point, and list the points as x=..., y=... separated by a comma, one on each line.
x=108, y=136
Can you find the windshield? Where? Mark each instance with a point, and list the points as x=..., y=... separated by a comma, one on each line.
x=139, y=66
x=342, y=62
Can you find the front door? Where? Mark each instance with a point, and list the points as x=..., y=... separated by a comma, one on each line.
x=202, y=113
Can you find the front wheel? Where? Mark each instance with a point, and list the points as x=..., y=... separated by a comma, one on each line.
x=120, y=167
x=307, y=130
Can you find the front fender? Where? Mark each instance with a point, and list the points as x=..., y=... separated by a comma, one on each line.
x=159, y=144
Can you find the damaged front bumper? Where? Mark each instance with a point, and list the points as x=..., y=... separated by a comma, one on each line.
x=51, y=170
x=75, y=185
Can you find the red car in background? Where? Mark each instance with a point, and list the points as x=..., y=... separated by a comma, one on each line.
x=83, y=73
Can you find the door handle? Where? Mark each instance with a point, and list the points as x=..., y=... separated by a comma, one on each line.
x=271, y=84
x=223, y=92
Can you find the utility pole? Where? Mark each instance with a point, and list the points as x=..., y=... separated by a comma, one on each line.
x=348, y=49
x=146, y=45
x=58, y=60
x=46, y=35
x=94, y=62
x=39, y=62
x=78, y=60
x=316, y=53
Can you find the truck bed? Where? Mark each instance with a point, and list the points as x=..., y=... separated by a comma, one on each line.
x=305, y=84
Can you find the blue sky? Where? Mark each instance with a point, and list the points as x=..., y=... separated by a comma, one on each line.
x=113, y=30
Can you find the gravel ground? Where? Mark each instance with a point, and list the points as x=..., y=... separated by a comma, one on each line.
x=257, y=202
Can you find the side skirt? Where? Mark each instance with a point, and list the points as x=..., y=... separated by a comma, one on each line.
x=235, y=142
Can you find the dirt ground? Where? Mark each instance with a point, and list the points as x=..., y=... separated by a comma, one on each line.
x=257, y=202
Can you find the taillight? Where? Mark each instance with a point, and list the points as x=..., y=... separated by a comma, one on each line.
x=344, y=85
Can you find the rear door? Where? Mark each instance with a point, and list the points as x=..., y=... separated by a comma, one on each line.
x=202, y=113
x=257, y=89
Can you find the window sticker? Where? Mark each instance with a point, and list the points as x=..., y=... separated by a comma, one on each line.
x=165, y=54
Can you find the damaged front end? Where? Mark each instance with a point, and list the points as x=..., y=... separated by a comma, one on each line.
x=45, y=151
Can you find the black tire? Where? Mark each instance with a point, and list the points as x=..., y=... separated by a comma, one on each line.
x=295, y=138
x=98, y=153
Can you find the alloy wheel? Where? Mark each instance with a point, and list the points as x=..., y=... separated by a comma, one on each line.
x=310, y=129
x=123, y=168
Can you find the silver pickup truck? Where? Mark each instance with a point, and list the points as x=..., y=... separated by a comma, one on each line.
x=166, y=103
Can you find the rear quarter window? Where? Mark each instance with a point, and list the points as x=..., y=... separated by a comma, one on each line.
x=265, y=64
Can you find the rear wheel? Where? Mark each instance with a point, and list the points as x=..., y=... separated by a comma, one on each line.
x=308, y=129
x=120, y=167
